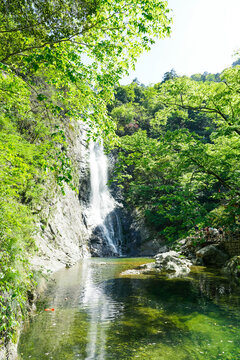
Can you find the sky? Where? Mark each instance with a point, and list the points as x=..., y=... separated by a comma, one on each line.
x=205, y=35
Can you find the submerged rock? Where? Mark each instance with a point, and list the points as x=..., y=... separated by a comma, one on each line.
x=172, y=261
x=131, y=272
x=142, y=269
x=212, y=255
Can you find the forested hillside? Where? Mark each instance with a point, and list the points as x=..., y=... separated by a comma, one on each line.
x=179, y=150
x=59, y=63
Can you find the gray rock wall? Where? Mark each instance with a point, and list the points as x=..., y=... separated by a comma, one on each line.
x=62, y=236
x=64, y=239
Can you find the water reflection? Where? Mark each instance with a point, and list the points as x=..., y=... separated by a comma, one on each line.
x=101, y=310
x=102, y=315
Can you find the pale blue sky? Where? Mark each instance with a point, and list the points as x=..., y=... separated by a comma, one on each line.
x=205, y=35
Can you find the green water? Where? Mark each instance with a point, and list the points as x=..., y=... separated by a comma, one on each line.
x=101, y=314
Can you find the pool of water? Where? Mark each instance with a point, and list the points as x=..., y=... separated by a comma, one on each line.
x=101, y=314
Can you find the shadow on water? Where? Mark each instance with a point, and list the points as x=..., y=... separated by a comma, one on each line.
x=100, y=314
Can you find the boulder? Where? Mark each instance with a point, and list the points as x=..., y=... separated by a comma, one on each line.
x=189, y=243
x=182, y=242
x=212, y=256
x=163, y=249
x=172, y=261
x=232, y=267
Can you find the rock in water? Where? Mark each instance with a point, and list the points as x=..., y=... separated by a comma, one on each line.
x=211, y=255
x=172, y=262
x=232, y=267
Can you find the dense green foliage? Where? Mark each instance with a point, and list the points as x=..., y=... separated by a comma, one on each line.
x=59, y=62
x=180, y=149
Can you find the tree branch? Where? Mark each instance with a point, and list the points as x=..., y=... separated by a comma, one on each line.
x=204, y=109
x=69, y=38
x=211, y=172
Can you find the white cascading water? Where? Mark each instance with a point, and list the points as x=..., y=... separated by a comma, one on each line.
x=102, y=212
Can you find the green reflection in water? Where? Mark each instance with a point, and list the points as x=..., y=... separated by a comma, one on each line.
x=101, y=314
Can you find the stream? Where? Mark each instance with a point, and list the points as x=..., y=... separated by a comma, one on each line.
x=100, y=313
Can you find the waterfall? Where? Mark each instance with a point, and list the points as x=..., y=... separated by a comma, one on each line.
x=102, y=214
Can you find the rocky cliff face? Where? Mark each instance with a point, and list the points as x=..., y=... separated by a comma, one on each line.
x=63, y=236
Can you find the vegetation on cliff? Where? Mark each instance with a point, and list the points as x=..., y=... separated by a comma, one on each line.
x=59, y=62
